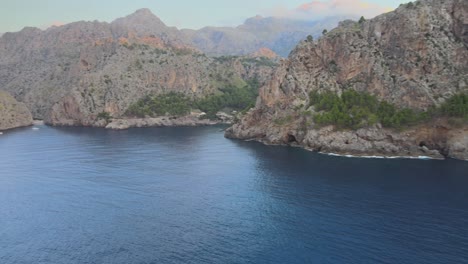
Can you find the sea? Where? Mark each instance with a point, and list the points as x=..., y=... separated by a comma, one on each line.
x=189, y=195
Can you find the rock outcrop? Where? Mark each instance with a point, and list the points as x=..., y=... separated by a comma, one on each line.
x=416, y=57
x=12, y=113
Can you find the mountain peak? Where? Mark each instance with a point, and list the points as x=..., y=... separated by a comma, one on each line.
x=142, y=20
x=141, y=15
x=144, y=11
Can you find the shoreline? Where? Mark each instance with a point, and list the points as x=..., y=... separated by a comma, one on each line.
x=377, y=157
x=352, y=156
x=123, y=124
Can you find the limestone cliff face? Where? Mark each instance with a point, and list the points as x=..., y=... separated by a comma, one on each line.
x=12, y=113
x=416, y=56
x=68, y=75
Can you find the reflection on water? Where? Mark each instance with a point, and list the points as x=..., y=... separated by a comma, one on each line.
x=188, y=195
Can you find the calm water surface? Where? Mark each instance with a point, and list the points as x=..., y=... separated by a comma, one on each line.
x=188, y=195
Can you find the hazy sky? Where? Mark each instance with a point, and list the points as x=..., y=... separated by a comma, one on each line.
x=16, y=14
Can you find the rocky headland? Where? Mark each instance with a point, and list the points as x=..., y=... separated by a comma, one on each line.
x=415, y=58
x=13, y=114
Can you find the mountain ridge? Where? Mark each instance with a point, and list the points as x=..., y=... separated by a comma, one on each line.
x=277, y=33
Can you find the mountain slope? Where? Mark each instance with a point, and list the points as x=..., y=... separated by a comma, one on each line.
x=68, y=75
x=413, y=57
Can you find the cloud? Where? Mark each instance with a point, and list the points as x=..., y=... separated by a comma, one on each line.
x=319, y=9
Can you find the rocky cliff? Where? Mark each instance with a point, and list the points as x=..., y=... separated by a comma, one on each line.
x=68, y=75
x=12, y=113
x=415, y=57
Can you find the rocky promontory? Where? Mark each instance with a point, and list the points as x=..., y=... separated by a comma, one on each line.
x=12, y=113
x=414, y=58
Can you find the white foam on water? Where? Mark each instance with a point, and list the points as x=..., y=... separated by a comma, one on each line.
x=377, y=157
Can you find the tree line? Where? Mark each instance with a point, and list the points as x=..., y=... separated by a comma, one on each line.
x=353, y=110
x=178, y=104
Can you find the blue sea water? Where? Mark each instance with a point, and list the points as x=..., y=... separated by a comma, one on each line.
x=188, y=195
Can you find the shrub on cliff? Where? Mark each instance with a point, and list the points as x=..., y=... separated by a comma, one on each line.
x=237, y=98
x=456, y=106
x=353, y=110
x=175, y=104
x=104, y=115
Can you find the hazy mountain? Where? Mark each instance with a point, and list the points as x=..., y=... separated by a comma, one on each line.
x=278, y=34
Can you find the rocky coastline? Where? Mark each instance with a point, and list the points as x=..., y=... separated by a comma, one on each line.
x=186, y=121
x=13, y=114
x=425, y=141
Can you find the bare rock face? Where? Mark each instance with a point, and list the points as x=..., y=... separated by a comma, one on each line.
x=265, y=53
x=12, y=113
x=68, y=75
x=416, y=56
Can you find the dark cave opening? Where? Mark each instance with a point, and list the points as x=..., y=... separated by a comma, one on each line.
x=292, y=139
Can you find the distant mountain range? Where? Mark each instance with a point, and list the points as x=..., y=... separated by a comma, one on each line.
x=280, y=35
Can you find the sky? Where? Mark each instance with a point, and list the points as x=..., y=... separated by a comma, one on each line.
x=16, y=14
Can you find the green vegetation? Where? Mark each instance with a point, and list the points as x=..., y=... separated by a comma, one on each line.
x=283, y=120
x=310, y=38
x=104, y=115
x=223, y=59
x=182, y=51
x=237, y=98
x=456, y=106
x=158, y=52
x=262, y=61
x=362, y=20
x=136, y=46
x=324, y=32
x=177, y=104
x=355, y=110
